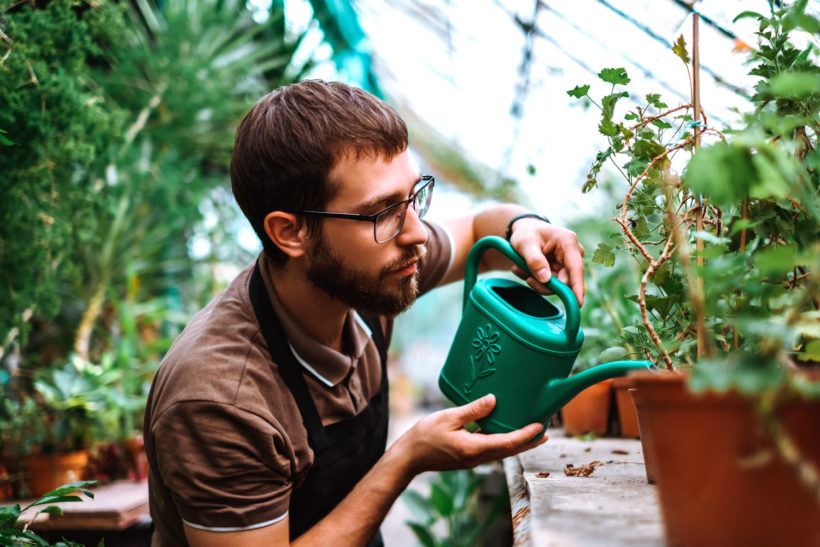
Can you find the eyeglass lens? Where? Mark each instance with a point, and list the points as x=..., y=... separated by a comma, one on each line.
x=390, y=222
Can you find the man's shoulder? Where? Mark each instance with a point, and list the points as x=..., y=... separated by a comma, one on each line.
x=219, y=352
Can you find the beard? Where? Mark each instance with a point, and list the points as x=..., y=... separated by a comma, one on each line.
x=380, y=293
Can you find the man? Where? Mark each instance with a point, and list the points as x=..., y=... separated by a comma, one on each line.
x=267, y=419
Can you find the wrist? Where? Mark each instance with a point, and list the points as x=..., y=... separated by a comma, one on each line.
x=515, y=219
x=399, y=456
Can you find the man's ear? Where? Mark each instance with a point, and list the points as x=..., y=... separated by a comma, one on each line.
x=287, y=231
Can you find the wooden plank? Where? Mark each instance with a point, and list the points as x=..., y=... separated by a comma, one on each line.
x=115, y=506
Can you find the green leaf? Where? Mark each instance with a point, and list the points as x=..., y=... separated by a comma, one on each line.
x=709, y=237
x=655, y=100
x=746, y=14
x=660, y=124
x=723, y=172
x=795, y=85
x=604, y=255
x=647, y=149
x=9, y=515
x=419, y=507
x=5, y=140
x=72, y=486
x=441, y=499
x=776, y=260
x=635, y=166
x=579, y=91
x=615, y=353
x=423, y=534
x=52, y=510
x=56, y=499
x=811, y=353
x=614, y=76
x=608, y=102
x=606, y=127
x=679, y=47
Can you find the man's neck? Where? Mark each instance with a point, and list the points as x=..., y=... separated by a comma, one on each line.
x=319, y=315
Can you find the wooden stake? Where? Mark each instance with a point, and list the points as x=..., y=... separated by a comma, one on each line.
x=702, y=341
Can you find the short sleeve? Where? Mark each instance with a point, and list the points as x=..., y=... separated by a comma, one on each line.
x=225, y=467
x=437, y=259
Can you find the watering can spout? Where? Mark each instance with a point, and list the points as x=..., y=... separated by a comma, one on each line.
x=560, y=391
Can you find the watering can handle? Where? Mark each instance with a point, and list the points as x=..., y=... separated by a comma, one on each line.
x=566, y=295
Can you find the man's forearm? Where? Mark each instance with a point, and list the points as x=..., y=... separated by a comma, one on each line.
x=358, y=517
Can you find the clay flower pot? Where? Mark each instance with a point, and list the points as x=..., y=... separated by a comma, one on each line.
x=45, y=472
x=588, y=412
x=627, y=415
x=721, y=480
x=6, y=492
x=138, y=461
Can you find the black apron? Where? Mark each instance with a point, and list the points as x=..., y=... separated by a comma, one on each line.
x=343, y=452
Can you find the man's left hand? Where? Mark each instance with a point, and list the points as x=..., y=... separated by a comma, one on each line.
x=549, y=250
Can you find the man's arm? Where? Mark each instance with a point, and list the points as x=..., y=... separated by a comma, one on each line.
x=437, y=442
x=547, y=249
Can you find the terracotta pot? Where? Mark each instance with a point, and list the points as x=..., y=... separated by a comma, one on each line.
x=627, y=416
x=6, y=492
x=721, y=481
x=45, y=472
x=138, y=460
x=588, y=412
x=646, y=442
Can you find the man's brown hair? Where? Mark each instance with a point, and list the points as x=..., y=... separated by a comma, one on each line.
x=291, y=139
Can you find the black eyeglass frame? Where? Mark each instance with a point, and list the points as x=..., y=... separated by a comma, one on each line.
x=427, y=180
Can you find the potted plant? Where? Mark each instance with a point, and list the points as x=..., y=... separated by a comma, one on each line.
x=726, y=237
x=48, y=431
x=15, y=531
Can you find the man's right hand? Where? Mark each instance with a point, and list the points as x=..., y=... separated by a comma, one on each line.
x=439, y=442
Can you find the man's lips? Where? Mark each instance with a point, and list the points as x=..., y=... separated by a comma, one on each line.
x=407, y=269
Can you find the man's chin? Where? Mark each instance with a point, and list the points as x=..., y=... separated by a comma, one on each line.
x=390, y=304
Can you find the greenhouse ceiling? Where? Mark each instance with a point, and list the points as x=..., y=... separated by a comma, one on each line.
x=490, y=77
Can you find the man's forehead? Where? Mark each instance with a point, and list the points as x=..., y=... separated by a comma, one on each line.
x=373, y=173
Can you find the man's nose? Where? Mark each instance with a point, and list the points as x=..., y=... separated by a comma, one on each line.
x=413, y=232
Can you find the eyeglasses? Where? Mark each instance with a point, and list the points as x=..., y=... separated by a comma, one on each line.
x=388, y=222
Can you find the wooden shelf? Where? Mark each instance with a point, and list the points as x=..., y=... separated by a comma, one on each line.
x=115, y=506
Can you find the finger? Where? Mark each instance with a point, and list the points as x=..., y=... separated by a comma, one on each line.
x=540, y=288
x=499, y=442
x=531, y=252
x=474, y=410
x=520, y=272
x=574, y=265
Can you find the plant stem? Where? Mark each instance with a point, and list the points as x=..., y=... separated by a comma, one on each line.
x=83, y=338
x=695, y=287
x=653, y=265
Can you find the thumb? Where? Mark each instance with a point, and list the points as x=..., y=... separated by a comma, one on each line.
x=475, y=410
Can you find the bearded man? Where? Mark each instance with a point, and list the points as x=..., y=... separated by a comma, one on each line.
x=267, y=419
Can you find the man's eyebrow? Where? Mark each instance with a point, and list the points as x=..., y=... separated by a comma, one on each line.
x=388, y=199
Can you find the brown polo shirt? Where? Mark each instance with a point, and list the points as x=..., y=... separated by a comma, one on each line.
x=223, y=434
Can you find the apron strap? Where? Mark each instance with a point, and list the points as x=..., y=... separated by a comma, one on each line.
x=289, y=368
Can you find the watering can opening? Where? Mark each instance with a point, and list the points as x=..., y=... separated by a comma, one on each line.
x=525, y=300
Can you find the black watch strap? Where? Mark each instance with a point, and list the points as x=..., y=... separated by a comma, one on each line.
x=519, y=217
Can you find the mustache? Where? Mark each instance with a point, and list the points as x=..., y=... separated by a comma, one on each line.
x=412, y=254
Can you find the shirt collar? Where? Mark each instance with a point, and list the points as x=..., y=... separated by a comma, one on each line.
x=327, y=365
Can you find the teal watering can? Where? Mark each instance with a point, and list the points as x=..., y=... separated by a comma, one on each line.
x=516, y=344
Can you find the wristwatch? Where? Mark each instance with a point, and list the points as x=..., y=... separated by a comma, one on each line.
x=519, y=217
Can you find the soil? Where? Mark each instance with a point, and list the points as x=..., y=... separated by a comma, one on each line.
x=583, y=471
